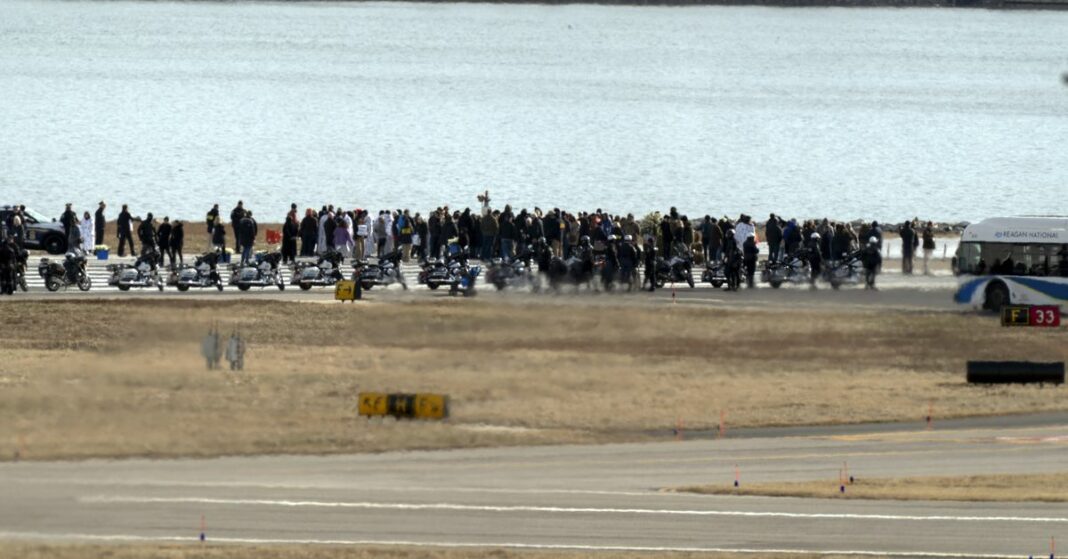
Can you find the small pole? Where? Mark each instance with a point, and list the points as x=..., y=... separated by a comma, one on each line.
x=841, y=481
x=1052, y=548
x=737, y=477
x=202, y=528
x=722, y=424
x=930, y=415
x=678, y=429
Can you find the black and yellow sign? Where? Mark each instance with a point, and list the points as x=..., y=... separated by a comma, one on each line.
x=1042, y=316
x=412, y=406
x=1015, y=315
x=346, y=290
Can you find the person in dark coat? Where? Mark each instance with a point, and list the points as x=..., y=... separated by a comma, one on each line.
x=236, y=215
x=750, y=251
x=177, y=243
x=290, y=233
x=815, y=258
x=871, y=258
x=649, y=253
x=908, y=247
x=163, y=234
x=146, y=233
x=69, y=220
x=99, y=220
x=246, y=232
x=773, y=235
x=309, y=233
x=666, y=238
x=125, y=230
x=218, y=236
x=8, y=261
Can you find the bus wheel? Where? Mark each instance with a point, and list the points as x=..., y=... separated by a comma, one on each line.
x=997, y=296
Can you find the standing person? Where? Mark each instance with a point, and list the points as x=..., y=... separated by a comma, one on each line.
x=508, y=234
x=146, y=233
x=125, y=230
x=212, y=219
x=420, y=237
x=177, y=243
x=88, y=232
x=342, y=236
x=99, y=223
x=908, y=241
x=164, y=236
x=290, y=233
x=368, y=240
x=649, y=254
x=8, y=261
x=218, y=236
x=666, y=237
x=773, y=234
x=928, y=246
x=792, y=237
x=69, y=219
x=329, y=223
x=750, y=251
x=309, y=233
x=406, y=229
x=236, y=215
x=18, y=228
x=815, y=258
x=871, y=258
x=247, y=231
x=490, y=228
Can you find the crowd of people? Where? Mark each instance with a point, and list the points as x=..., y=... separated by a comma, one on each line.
x=488, y=232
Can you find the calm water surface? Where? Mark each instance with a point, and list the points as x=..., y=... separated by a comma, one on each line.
x=888, y=113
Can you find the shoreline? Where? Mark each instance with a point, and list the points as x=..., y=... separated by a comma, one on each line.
x=952, y=4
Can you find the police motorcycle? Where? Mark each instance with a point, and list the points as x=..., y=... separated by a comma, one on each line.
x=433, y=273
x=715, y=272
x=203, y=273
x=386, y=272
x=848, y=270
x=72, y=271
x=513, y=272
x=143, y=273
x=793, y=268
x=677, y=268
x=263, y=272
x=325, y=272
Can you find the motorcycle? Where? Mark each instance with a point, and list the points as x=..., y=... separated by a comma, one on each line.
x=847, y=271
x=434, y=273
x=510, y=273
x=793, y=268
x=203, y=273
x=386, y=272
x=675, y=269
x=265, y=273
x=143, y=273
x=72, y=271
x=715, y=273
x=324, y=273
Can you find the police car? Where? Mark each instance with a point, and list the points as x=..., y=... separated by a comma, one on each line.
x=42, y=233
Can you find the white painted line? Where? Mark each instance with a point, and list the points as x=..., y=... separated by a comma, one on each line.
x=564, y=510
x=510, y=545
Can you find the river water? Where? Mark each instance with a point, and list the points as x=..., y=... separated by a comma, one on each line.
x=885, y=113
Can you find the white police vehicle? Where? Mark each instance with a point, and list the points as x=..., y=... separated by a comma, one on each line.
x=1013, y=261
x=42, y=233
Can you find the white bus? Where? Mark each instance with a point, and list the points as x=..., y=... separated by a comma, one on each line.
x=1013, y=261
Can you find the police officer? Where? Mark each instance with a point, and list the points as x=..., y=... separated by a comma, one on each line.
x=750, y=250
x=872, y=259
x=8, y=261
x=815, y=259
x=649, y=252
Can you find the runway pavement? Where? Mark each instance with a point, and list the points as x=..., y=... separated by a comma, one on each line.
x=919, y=293
x=578, y=497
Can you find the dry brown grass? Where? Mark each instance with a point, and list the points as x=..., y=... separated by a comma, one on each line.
x=198, y=551
x=1050, y=488
x=123, y=378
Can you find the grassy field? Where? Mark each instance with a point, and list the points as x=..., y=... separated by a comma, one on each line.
x=1050, y=488
x=124, y=378
x=197, y=551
